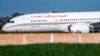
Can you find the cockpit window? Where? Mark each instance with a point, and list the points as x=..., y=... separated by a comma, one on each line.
x=10, y=22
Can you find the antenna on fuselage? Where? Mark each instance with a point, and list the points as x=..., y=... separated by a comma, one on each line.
x=56, y=11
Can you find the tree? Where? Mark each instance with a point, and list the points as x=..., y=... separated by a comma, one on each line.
x=16, y=14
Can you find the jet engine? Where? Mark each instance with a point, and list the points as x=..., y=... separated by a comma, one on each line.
x=80, y=28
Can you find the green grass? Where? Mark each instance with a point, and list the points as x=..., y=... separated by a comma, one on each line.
x=51, y=50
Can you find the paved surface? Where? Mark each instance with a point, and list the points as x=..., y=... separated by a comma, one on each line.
x=32, y=38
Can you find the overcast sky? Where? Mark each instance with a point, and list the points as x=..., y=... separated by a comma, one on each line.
x=7, y=7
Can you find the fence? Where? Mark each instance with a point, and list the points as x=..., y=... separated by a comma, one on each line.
x=33, y=38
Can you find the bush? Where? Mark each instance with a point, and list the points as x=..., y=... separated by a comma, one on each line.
x=51, y=50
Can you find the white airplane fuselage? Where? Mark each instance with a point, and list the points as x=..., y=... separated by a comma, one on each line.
x=42, y=22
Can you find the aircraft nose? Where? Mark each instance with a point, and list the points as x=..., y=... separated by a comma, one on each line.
x=4, y=29
x=7, y=29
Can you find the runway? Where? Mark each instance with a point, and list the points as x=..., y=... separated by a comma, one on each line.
x=34, y=38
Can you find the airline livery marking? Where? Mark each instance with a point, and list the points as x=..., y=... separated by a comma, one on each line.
x=48, y=16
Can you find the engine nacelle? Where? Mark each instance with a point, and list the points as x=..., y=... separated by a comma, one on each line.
x=80, y=28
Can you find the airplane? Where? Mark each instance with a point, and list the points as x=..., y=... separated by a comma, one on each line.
x=75, y=22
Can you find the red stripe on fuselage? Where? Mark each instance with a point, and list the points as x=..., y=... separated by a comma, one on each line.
x=54, y=23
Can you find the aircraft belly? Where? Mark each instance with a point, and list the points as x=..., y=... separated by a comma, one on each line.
x=36, y=28
x=45, y=28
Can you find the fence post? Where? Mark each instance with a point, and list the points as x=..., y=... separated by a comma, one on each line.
x=51, y=37
x=24, y=39
x=80, y=36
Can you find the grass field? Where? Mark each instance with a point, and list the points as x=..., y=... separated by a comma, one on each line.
x=51, y=50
